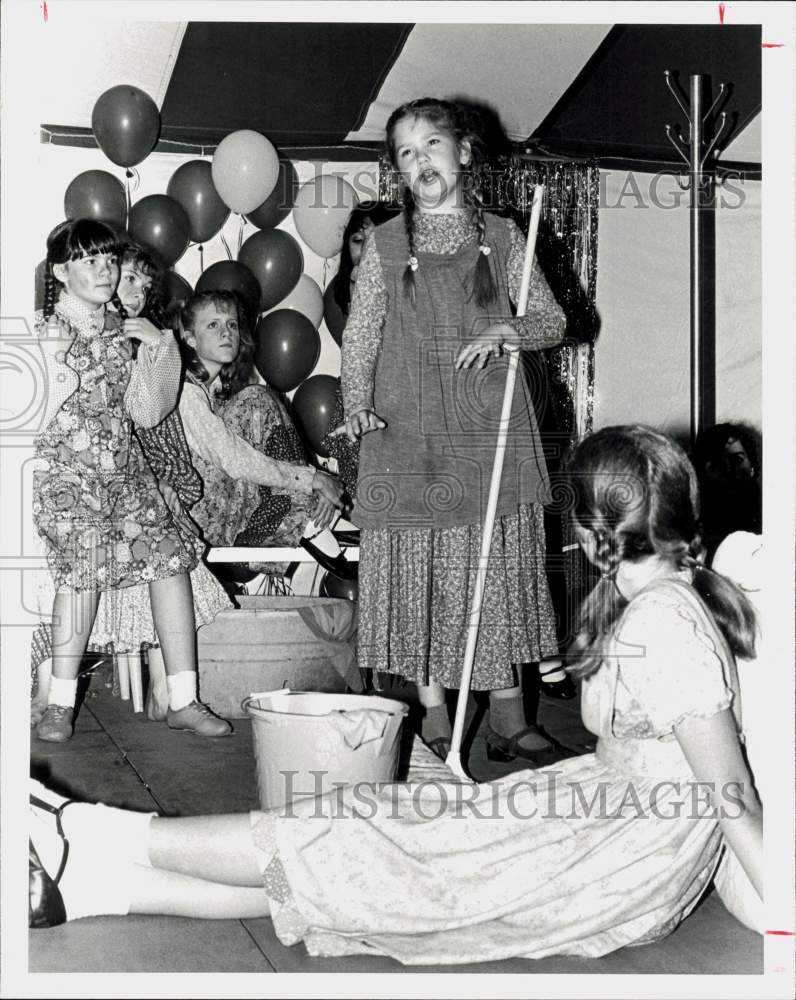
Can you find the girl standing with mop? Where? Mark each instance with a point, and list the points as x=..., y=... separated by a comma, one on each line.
x=431, y=306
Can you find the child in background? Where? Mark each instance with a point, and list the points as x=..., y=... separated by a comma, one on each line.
x=97, y=505
x=124, y=617
x=432, y=297
x=258, y=489
x=365, y=217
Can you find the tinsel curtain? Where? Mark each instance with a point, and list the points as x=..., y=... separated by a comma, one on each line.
x=567, y=251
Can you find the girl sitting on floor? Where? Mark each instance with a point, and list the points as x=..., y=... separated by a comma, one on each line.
x=602, y=851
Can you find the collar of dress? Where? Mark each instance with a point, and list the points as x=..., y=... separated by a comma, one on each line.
x=80, y=315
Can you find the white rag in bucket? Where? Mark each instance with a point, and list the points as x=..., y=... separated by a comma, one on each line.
x=360, y=727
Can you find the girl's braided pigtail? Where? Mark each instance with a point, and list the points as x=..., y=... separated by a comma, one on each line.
x=411, y=264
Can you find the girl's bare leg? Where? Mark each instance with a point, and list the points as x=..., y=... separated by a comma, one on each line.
x=215, y=848
x=175, y=623
x=175, y=895
x=73, y=619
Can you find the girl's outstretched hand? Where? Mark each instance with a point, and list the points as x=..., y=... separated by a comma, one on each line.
x=490, y=343
x=330, y=498
x=143, y=330
x=359, y=423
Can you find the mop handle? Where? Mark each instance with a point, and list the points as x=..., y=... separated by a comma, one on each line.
x=494, y=488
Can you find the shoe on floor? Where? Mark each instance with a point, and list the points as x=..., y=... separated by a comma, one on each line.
x=56, y=725
x=508, y=748
x=564, y=690
x=197, y=718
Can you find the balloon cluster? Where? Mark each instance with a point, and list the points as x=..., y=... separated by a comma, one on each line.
x=247, y=176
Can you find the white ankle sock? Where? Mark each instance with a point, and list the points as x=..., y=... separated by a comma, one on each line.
x=63, y=691
x=182, y=689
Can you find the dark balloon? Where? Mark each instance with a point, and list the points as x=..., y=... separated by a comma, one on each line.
x=192, y=186
x=333, y=586
x=287, y=348
x=313, y=406
x=279, y=203
x=126, y=124
x=160, y=223
x=276, y=260
x=96, y=194
x=38, y=285
x=176, y=291
x=333, y=315
x=232, y=276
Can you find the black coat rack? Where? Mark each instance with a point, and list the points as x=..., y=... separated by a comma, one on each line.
x=700, y=181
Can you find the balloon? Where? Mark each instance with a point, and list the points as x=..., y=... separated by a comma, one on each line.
x=96, y=194
x=245, y=170
x=126, y=124
x=232, y=276
x=276, y=260
x=192, y=186
x=333, y=586
x=38, y=285
x=305, y=298
x=323, y=206
x=176, y=291
x=160, y=223
x=279, y=203
x=313, y=405
x=333, y=315
x=287, y=348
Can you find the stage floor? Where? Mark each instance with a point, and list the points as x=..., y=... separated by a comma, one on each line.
x=118, y=757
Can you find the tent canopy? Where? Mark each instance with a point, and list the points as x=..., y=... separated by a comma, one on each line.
x=325, y=90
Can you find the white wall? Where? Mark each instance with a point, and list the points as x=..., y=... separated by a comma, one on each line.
x=642, y=366
x=59, y=165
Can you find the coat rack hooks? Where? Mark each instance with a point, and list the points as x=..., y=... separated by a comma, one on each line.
x=701, y=184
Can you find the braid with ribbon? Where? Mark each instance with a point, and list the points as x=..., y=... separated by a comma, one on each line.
x=411, y=265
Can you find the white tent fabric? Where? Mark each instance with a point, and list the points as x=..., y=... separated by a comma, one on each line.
x=521, y=70
x=93, y=59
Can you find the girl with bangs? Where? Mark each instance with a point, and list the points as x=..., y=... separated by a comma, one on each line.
x=97, y=505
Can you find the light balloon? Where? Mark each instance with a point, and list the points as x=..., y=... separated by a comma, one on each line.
x=322, y=209
x=245, y=170
x=305, y=298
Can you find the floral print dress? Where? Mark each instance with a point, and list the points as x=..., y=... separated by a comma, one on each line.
x=97, y=504
x=589, y=855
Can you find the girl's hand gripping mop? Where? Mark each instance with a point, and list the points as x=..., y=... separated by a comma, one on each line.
x=453, y=760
